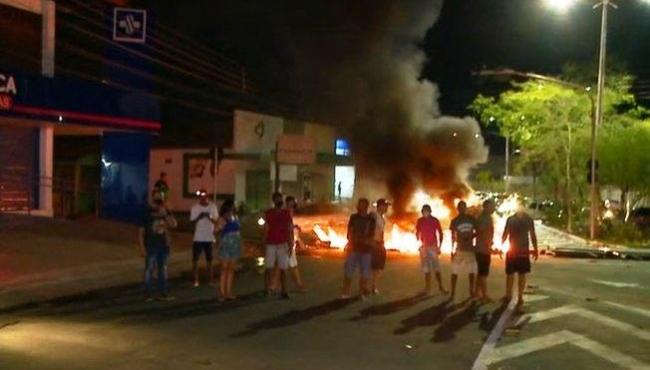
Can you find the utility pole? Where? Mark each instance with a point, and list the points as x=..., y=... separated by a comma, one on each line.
x=507, y=171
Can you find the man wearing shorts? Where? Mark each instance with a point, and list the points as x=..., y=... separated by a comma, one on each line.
x=429, y=232
x=278, y=237
x=484, y=241
x=463, y=253
x=519, y=227
x=379, y=250
x=358, y=253
x=203, y=215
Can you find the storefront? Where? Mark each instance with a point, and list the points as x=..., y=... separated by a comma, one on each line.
x=70, y=147
x=245, y=169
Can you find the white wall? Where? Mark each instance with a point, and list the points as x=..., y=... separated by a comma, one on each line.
x=256, y=133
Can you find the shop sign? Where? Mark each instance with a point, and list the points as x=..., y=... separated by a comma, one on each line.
x=7, y=91
x=296, y=149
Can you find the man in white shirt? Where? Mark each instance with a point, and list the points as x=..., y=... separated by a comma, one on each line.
x=204, y=215
x=379, y=250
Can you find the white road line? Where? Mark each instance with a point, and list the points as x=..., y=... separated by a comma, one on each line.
x=548, y=314
x=636, y=310
x=602, y=319
x=491, y=342
x=550, y=340
x=616, y=284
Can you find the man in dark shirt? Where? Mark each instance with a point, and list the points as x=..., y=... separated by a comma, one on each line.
x=361, y=230
x=518, y=229
x=154, y=242
x=161, y=186
x=463, y=252
x=484, y=241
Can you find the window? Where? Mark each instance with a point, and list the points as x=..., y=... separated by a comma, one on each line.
x=342, y=147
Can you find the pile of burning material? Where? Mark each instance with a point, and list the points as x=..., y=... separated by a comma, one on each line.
x=400, y=230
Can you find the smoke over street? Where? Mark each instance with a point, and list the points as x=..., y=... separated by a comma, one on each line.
x=360, y=67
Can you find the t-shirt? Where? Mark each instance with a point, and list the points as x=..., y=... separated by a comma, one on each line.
x=361, y=232
x=484, y=233
x=162, y=187
x=518, y=228
x=464, y=226
x=427, y=228
x=380, y=225
x=204, y=228
x=279, y=224
x=156, y=223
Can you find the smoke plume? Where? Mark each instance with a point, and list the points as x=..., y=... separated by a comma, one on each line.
x=359, y=66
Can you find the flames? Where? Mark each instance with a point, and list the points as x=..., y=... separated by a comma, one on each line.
x=400, y=235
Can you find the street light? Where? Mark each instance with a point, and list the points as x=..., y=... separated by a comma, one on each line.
x=560, y=5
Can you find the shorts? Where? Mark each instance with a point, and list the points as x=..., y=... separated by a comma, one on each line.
x=202, y=247
x=517, y=264
x=357, y=259
x=293, y=259
x=463, y=263
x=230, y=246
x=277, y=254
x=378, y=257
x=429, y=260
x=483, y=264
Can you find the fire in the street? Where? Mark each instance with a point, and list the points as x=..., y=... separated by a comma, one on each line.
x=402, y=237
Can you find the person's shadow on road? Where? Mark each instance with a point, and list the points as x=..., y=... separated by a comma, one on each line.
x=447, y=330
x=390, y=307
x=294, y=317
x=429, y=317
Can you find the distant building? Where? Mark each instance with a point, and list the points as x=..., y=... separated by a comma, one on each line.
x=246, y=162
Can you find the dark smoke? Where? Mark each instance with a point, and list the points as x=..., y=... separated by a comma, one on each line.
x=359, y=66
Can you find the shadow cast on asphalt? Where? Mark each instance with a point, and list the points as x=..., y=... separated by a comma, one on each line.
x=390, y=307
x=429, y=317
x=489, y=319
x=294, y=317
x=451, y=324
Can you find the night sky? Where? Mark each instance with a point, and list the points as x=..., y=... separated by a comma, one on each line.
x=520, y=34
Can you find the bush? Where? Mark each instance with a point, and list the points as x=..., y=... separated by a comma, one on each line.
x=617, y=231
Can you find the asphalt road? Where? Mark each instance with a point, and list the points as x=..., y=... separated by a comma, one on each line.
x=581, y=314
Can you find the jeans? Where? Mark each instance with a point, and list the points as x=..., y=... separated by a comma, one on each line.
x=359, y=260
x=156, y=257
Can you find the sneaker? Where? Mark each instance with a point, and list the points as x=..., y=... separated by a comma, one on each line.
x=345, y=296
x=196, y=284
x=375, y=291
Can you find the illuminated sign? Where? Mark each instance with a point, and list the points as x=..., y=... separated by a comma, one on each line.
x=7, y=84
x=7, y=89
x=129, y=25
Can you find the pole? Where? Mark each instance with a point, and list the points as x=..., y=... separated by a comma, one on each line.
x=507, y=177
x=598, y=120
x=276, y=181
x=215, y=159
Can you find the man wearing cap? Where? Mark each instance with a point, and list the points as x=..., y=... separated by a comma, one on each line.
x=203, y=214
x=379, y=250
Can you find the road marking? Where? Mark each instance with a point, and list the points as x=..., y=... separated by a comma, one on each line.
x=528, y=298
x=495, y=334
x=550, y=340
x=616, y=284
x=637, y=310
x=602, y=319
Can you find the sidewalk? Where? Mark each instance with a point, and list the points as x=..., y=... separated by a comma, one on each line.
x=563, y=244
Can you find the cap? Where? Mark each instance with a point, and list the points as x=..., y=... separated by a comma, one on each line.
x=382, y=202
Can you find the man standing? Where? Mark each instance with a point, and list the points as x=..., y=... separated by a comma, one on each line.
x=278, y=237
x=518, y=229
x=203, y=214
x=429, y=232
x=153, y=238
x=361, y=231
x=379, y=250
x=161, y=186
x=484, y=241
x=463, y=256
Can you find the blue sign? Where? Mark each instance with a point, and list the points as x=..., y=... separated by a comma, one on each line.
x=129, y=25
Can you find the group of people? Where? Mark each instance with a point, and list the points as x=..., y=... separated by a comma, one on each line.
x=209, y=223
x=472, y=247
